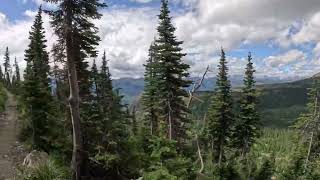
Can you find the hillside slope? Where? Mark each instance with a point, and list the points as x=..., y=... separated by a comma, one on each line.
x=279, y=104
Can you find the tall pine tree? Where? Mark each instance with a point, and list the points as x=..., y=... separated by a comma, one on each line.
x=246, y=128
x=36, y=87
x=17, y=70
x=149, y=97
x=16, y=80
x=7, y=68
x=220, y=116
x=72, y=22
x=172, y=78
x=105, y=87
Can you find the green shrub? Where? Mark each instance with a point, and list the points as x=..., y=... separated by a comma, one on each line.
x=51, y=170
x=3, y=98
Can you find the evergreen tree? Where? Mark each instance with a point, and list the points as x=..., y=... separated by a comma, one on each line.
x=72, y=22
x=7, y=68
x=17, y=70
x=106, y=88
x=95, y=78
x=16, y=80
x=246, y=128
x=106, y=127
x=172, y=78
x=220, y=116
x=149, y=97
x=36, y=88
x=1, y=75
x=309, y=124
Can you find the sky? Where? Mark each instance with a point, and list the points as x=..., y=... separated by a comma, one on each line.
x=282, y=35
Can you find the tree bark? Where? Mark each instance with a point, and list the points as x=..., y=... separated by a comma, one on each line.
x=74, y=98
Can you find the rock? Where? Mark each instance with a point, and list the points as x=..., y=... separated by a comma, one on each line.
x=5, y=156
x=35, y=158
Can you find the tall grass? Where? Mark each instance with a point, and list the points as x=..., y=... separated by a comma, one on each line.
x=3, y=98
x=49, y=170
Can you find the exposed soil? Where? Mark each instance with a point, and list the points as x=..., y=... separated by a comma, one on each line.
x=11, y=151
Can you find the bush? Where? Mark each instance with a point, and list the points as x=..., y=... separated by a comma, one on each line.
x=50, y=170
x=3, y=98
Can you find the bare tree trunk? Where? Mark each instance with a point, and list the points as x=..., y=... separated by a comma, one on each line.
x=196, y=87
x=200, y=155
x=309, y=151
x=74, y=99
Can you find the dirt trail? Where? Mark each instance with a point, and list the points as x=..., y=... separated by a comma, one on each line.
x=8, y=138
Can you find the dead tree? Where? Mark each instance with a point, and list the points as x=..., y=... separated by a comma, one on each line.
x=195, y=88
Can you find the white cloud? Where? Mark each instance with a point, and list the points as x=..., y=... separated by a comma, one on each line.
x=288, y=58
x=15, y=35
x=126, y=36
x=204, y=27
x=310, y=30
x=141, y=1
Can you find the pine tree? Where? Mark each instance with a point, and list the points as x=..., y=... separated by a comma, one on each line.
x=16, y=80
x=309, y=124
x=17, y=70
x=172, y=78
x=94, y=76
x=149, y=97
x=1, y=75
x=246, y=128
x=220, y=116
x=7, y=68
x=72, y=22
x=105, y=87
x=36, y=88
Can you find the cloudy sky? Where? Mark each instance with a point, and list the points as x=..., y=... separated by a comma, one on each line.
x=283, y=35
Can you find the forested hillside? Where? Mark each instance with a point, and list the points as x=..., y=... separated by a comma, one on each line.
x=73, y=121
x=279, y=104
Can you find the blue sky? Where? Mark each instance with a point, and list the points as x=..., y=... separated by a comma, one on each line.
x=283, y=35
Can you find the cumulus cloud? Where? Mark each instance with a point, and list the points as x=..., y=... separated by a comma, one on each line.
x=15, y=35
x=205, y=26
x=290, y=57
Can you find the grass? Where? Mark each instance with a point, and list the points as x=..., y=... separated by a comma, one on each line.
x=49, y=170
x=3, y=98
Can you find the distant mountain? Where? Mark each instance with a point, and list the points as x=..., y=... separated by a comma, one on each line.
x=132, y=88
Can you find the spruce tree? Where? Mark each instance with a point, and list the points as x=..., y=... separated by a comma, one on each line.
x=220, y=116
x=149, y=97
x=7, y=68
x=246, y=128
x=17, y=70
x=36, y=92
x=72, y=22
x=94, y=76
x=172, y=78
x=1, y=75
x=16, y=80
x=105, y=86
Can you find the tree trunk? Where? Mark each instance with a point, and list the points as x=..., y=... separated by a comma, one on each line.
x=309, y=151
x=74, y=99
x=220, y=154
